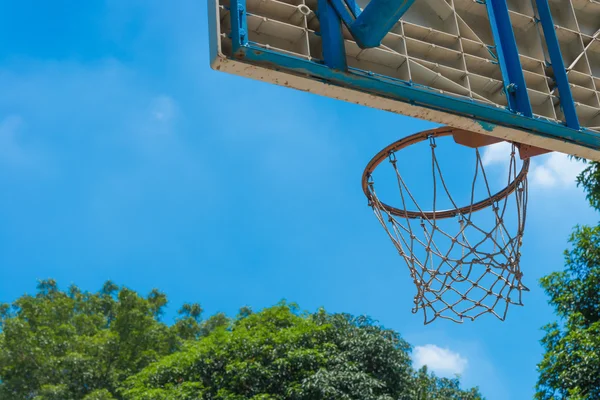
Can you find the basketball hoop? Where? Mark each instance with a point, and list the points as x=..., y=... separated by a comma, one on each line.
x=472, y=268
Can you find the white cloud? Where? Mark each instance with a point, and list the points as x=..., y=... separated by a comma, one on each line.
x=157, y=122
x=163, y=109
x=12, y=146
x=443, y=362
x=496, y=154
x=10, y=150
x=553, y=170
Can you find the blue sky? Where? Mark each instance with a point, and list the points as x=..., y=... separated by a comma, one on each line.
x=124, y=157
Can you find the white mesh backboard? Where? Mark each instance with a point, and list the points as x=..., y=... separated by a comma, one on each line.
x=443, y=45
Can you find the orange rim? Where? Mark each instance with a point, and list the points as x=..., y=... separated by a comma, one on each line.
x=417, y=138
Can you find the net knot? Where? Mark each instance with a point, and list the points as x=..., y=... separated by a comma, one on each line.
x=432, y=141
x=392, y=157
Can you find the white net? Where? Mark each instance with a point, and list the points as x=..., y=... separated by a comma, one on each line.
x=464, y=261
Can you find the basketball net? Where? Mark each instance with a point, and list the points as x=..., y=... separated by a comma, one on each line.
x=464, y=261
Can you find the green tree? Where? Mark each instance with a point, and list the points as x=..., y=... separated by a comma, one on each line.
x=76, y=345
x=111, y=345
x=571, y=364
x=188, y=324
x=279, y=353
x=427, y=386
x=589, y=180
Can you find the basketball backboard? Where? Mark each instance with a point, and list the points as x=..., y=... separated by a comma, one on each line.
x=527, y=71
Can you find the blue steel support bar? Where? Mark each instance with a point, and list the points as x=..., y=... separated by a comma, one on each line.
x=377, y=19
x=334, y=52
x=371, y=25
x=354, y=8
x=239, y=24
x=347, y=14
x=558, y=65
x=508, y=57
x=405, y=92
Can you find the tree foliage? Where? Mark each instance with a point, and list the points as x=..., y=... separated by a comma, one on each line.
x=589, y=180
x=279, y=353
x=571, y=364
x=112, y=345
x=75, y=345
x=427, y=386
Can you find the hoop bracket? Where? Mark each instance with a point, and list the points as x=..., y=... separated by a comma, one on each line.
x=474, y=140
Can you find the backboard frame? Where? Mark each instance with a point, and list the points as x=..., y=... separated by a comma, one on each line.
x=394, y=95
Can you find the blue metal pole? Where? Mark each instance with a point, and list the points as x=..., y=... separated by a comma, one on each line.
x=508, y=57
x=558, y=65
x=346, y=13
x=376, y=20
x=354, y=8
x=239, y=24
x=334, y=52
